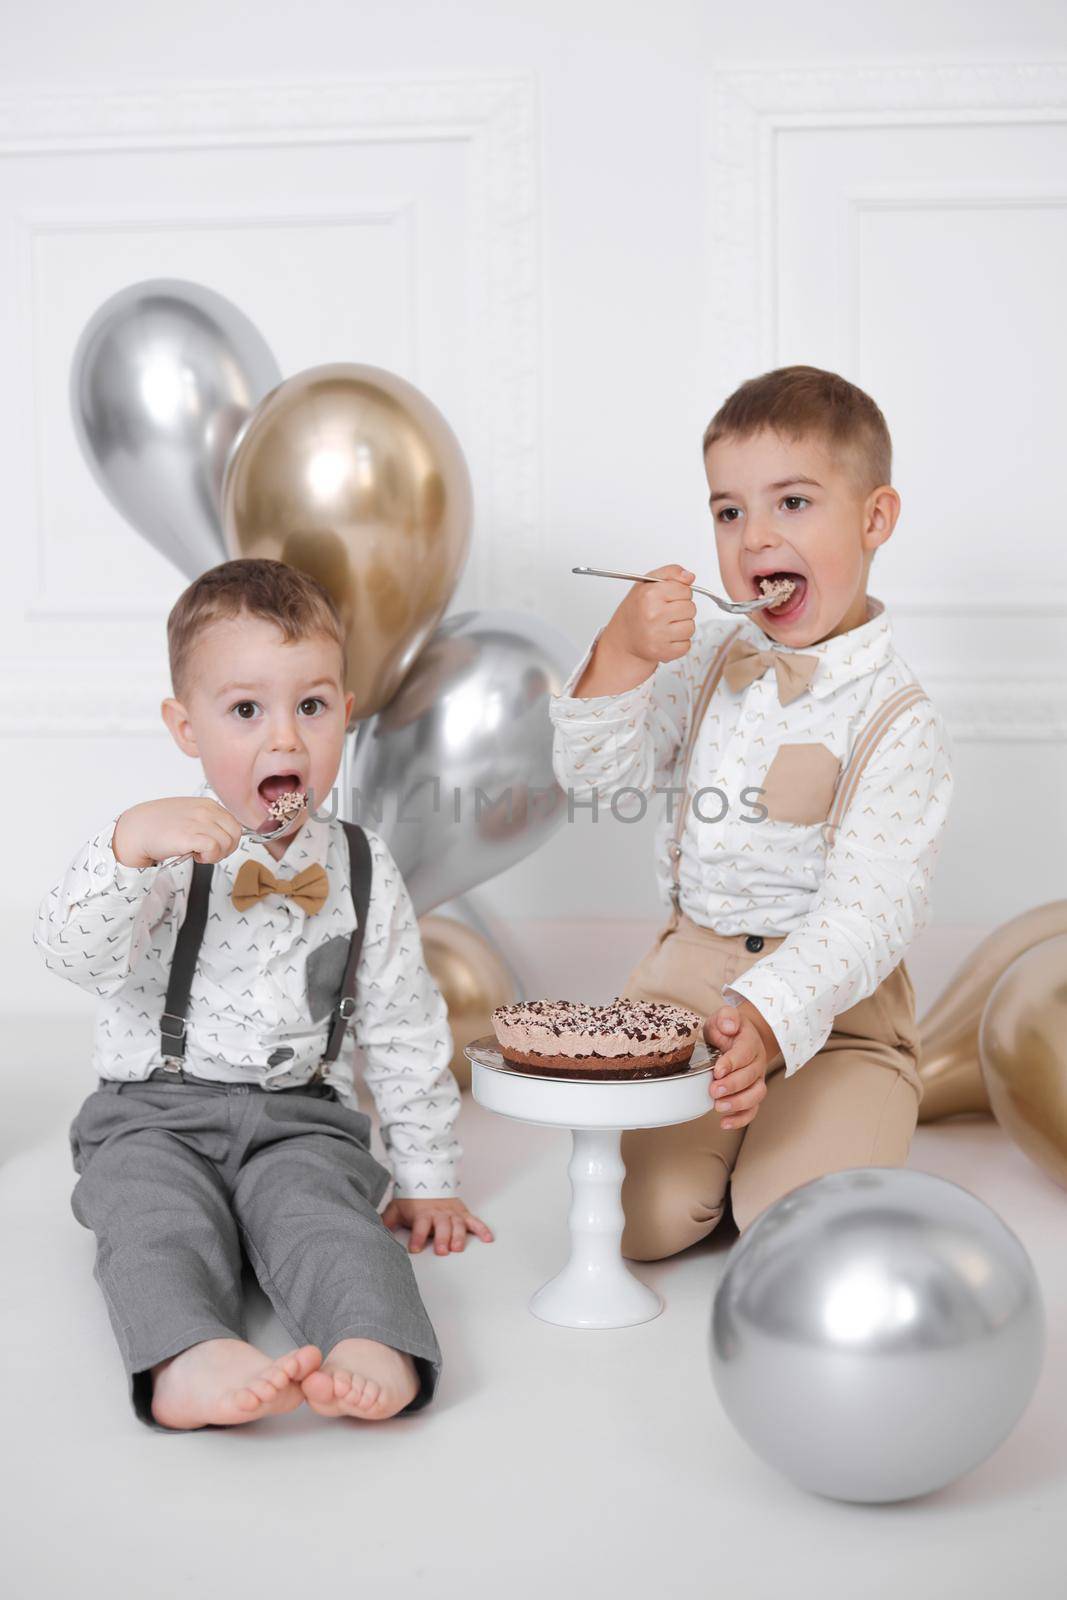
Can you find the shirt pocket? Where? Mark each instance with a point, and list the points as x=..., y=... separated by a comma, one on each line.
x=325, y=973
x=800, y=783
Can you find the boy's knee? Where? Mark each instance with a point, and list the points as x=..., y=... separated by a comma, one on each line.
x=664, y=1215
x=649, y=1237
x=673, y=1194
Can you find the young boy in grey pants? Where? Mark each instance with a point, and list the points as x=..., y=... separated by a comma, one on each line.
x=225, y=1118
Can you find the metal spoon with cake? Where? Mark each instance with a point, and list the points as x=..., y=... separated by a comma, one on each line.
x=776, y=586
x=285, y=808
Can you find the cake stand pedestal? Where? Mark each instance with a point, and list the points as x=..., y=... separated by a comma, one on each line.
x=596, y=1289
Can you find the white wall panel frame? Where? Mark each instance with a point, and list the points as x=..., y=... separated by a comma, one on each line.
x=749, y=109
x=495, y=121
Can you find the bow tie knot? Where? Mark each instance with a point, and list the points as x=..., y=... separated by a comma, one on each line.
x=308, y=888
x=746, y=662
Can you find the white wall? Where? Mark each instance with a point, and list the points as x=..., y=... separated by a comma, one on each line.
x=603, y=216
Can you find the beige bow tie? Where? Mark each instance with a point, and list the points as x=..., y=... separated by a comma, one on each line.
x=308, y=888
x=745, y=663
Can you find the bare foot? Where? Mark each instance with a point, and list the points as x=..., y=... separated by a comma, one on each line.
x=362, y=1378
x=228, y=1381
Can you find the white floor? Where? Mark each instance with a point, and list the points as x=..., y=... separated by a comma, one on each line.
x=554, y=1463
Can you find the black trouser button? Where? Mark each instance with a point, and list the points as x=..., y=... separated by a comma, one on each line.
x=754, y=942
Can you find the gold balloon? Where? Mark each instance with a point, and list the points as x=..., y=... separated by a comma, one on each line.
x=1022, y=1048
x=353, y=476
x=471, y=977
x=948, y=1061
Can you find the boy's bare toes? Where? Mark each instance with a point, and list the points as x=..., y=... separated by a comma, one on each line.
x=278, y=1388
x=300, y=1363
x=363, y=1379
x=333, y=1392
x=324, y=1387
x=360, y=1399
x=227, y=1381
x=351, y=1401
x=268, y=1386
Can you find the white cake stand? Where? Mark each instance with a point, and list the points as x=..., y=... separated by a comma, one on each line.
x=596, y=1289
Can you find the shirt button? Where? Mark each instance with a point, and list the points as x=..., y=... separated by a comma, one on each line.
x=753, y=943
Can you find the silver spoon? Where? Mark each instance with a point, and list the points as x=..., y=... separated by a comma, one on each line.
x=743, y=606
x=258, y=835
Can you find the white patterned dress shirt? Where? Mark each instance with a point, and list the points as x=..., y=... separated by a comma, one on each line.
x=112, y=929
x=849, y=911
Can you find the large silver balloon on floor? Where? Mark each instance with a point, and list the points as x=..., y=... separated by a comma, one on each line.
x=163, y=379
x=876, y=1334
x=455, y=772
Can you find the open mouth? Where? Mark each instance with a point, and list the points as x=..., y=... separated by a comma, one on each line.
x=791, y=604
x=283, y=794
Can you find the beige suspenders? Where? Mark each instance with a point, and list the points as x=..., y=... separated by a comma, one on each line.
x=700, y=706
x=862, y=751
x=848, y=778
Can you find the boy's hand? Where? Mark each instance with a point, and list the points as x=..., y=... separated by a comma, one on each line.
x=748, y=1045
x=447, y=1220
x=157, y=829
x=655, y=621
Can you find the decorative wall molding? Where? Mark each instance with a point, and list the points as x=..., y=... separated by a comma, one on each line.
x=46, y=605
x=51, y=700
x=1001, y=709
x=167, y=116
x=496, y=119
x=959, y=605
x=748, y=107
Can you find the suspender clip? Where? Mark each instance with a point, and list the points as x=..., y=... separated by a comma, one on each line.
x=172, y=1029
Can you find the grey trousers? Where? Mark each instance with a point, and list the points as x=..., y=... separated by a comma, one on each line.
x=178, y=1175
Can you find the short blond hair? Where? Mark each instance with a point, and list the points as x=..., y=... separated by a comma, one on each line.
x=251, y=586
x=799, y=401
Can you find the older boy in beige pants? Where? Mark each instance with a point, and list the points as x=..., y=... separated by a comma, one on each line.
x=808, y=779
x=856, y=1109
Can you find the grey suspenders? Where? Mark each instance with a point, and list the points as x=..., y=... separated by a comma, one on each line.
x=191, y=932
x=863, y=747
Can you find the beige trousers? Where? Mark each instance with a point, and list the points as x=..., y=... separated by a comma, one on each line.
x=854, y=1104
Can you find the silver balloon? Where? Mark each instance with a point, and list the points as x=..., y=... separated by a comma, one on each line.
x=164, y=377
x=876, y=1334
x=455, y=772
x=493, y=930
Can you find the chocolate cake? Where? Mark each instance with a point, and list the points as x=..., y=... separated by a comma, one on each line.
x=782, y=588
x=625, y=1039
x=287, y=805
